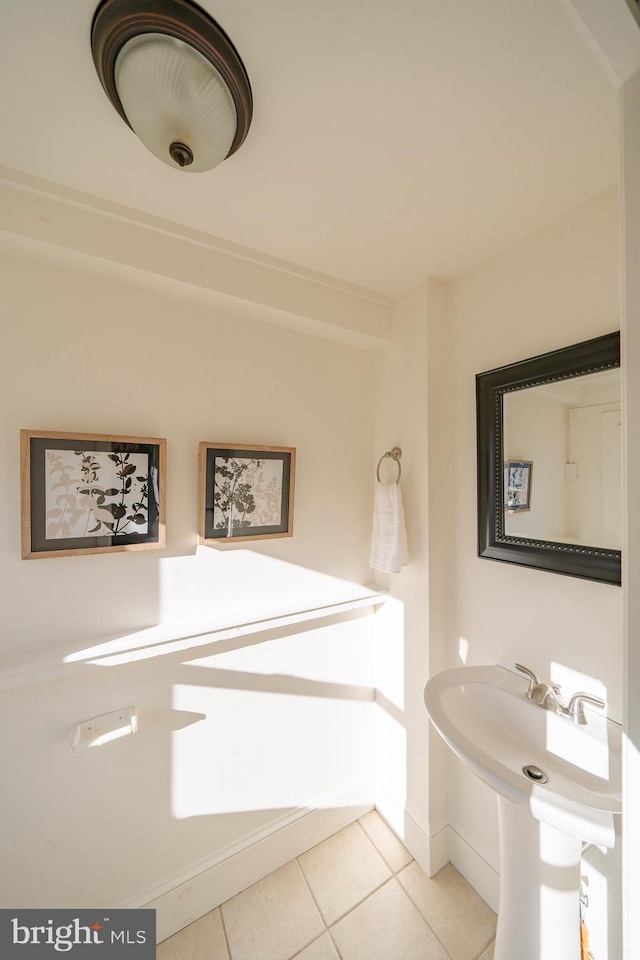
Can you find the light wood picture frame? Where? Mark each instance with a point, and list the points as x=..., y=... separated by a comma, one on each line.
x=84, y=493
x=246, y=492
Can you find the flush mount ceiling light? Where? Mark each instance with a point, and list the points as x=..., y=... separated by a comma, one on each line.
x=174, y=77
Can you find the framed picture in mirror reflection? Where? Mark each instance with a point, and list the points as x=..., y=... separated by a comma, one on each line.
x=517, y=486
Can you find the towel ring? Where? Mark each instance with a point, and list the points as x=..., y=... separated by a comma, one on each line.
x=395, y=453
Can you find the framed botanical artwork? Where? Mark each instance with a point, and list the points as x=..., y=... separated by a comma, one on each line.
x=246, y=492
x=90, y=493
x=517, y=485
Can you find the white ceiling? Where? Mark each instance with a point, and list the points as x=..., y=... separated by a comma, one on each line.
x=390, y=141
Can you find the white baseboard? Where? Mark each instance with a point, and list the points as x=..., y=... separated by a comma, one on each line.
x=200, y=888
x=429, y=850
x=205, y=885
x=473, y=866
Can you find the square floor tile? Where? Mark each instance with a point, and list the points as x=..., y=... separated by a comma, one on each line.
x=488, y=954
x=201, y=940
x=457, y=914
x=275, y=918
x=385, y=841
x=387, y=926
x=343, y=870
x=322, y=949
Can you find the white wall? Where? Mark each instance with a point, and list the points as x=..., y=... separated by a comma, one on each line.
x=611, y=32
x=81, y=354
x=570, y=422
x=631, y=571
x=558, y=287
x=86, y=354
x=594, y=499
x=448, y=606
x=243, y=735
x=535, y=429
x=411, y=376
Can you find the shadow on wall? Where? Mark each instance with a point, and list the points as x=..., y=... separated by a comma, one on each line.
x=246, y=724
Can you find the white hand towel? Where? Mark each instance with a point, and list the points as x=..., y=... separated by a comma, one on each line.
x=389, y=538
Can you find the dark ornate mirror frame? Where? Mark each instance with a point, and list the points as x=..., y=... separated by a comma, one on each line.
x=591, y=563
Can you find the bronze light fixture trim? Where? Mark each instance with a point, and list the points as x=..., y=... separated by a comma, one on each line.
x=165, y=33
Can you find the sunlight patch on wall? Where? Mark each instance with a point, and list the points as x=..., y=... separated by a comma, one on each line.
x=585, y=746
x=571, y=680
x=265, y=751
x=216, y=594
x=288, y=721
x=324, y=654
x=463, y=650
x=391, y=770
x=389, y=651
x=213, y=586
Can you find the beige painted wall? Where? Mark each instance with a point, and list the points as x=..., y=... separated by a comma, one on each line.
x=630, y=102
x=537, y=425
x=557, y=287
x=233, y=746
x=87, y=354
x=412, y=375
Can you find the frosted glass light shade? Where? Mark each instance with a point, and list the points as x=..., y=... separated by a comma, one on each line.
x=172, y=94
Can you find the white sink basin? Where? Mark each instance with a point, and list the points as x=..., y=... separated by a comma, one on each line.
x=483, y=715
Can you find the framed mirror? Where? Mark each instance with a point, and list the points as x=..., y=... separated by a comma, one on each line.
x=550, y=463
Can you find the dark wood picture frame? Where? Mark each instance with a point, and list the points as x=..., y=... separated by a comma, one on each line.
x=246, y=492
x=84, y=493
x=581, y=359
x=518, y=495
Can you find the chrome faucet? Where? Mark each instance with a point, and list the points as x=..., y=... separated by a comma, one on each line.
x=575, y=707
x=548, y=696
x=544, y=694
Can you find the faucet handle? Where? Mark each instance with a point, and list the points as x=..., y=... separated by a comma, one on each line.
x=533, y=680
x=576, y=705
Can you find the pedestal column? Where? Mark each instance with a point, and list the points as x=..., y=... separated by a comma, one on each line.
x=539, y=909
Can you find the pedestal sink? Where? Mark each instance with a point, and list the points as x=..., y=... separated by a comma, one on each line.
x=559, y=785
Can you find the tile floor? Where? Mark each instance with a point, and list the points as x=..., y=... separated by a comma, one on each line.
x=357, y=896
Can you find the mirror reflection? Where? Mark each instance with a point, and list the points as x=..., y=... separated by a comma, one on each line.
x=563, y=461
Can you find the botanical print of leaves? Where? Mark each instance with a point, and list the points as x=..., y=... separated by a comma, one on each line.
x=95, y=494
x=247, y=493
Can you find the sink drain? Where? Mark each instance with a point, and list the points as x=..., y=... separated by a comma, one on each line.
x=534, y=773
